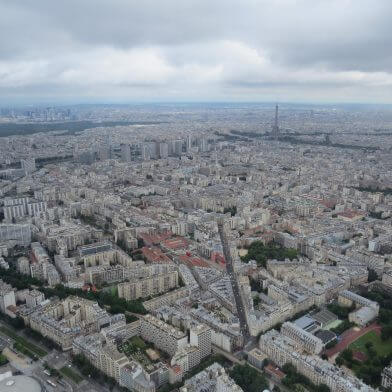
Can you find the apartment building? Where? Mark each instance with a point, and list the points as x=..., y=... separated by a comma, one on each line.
x=348, y=298
x=164, y=336
x=133, y=377
x=386, y=377
x=165, y=299
x=23, y=265
x=7, y=297
x=187, y=357
x=63, y=321
x=34, y=298
x=303, y=339
x=21, y=207
x=148, y=286
x=21, y=234
x=111, y=361
x=200, y=336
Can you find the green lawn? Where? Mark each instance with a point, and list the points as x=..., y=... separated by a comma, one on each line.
x=23, y=350
x=3, y=360
x=133, y=345
x=381, y=347
x=22, y=342
x=67, y=372
x=113, y=291
x=334, y=324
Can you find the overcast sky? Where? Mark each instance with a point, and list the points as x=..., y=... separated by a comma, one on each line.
x=196, y=50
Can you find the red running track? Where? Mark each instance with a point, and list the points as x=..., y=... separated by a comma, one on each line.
x=350, y=336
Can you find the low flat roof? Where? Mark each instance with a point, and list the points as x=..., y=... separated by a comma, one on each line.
x=304, y=322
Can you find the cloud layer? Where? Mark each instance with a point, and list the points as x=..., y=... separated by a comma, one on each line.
x=130, y=50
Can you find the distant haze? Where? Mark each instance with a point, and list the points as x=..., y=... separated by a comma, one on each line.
x=195, y=50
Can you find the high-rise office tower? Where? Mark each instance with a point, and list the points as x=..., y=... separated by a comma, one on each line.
x=163, y=150
x=125, y=153
x=145, y=151
x=188, y=143
x=86, y=157
x=275, y=127
x=177, y=147
x=149, y=150
x=203, y=145
x=104, y=152
x=28, y=165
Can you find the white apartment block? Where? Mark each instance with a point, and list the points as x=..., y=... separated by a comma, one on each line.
x=101, y=353
x=7, y=297
x=165, y=299
x=363, y=315
x=26, y=208
x=347, y=298
x=63, y=321
x=34, y=298
x=23, y=265
x=38, y=253
x=148, y=286
x=134, y=378
x=212, y=379
x=45, y=271
x=387, y=278
x=386, y=377
x=186, y=357
x=256, y=358
x=200, y=336
x=303, y=339
x=104, y=274
x=21, y=234
x=111, y=361
x=89, y=346
x=28, y=165
x=164, y=336
x=103, y=253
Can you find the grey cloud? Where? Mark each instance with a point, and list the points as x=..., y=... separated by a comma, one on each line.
x=65, y=47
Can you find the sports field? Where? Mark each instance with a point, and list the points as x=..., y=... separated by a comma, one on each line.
x=380, y=346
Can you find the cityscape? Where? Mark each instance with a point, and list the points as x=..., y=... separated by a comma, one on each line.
x=195, y=196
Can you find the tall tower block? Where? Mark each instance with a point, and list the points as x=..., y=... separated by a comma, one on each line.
x=275, y=127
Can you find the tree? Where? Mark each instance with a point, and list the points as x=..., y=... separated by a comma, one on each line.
x=385, y=315
x=261, y=253
x=341, y=311
x=339, y=361
x=372, y=275
x=323, y=388
x=3, y=360
x=331, y=344
x=248, y=378
x=232, y=210
x=386, y=332
x=369, y=345
x=347, y=355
